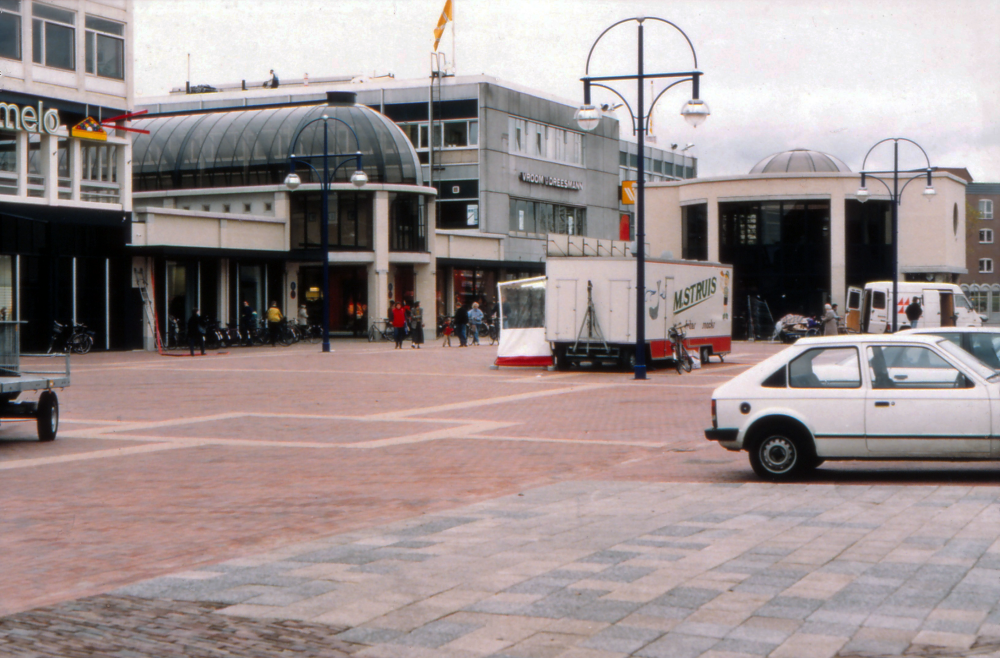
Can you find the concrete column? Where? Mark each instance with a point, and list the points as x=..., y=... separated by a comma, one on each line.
x=838, y=251
x=713, y=229
x=222, y=288
x=123, y=172
x=378, y=279
x=49, y=165
x=75, y=168
x=427, y=274
x=21, y=156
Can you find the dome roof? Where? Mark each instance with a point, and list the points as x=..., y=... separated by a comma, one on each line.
x=798, y=161
x=251, y=147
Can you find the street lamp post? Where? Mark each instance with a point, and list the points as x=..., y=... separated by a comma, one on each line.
x=588, y=117
x=895, y=196
x=358, y=179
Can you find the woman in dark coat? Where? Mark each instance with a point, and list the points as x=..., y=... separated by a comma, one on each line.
x=416, y=325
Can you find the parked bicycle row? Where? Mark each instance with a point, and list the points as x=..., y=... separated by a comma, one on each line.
x=209, y=333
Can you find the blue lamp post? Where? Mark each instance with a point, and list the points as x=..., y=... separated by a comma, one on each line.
x=588, y=117
x=358, y=179
x=895, y=194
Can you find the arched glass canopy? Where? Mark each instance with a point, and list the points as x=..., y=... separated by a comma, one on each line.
x=245, y=148
x=799, y=161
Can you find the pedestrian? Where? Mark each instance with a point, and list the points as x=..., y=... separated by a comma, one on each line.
x=829, y=321
x=447, y=330
x=273, y=82
x=246, y=322
x=196, y=331
x=399, y=324
x=274, y=319
x=303, y=315
x=462, y=325
x=416, y=325
x=913, y=312
x=475, y=321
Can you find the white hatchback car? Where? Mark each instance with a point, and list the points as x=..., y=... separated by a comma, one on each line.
x=903, y=396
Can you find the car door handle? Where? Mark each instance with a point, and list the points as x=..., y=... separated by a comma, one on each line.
x=884, y=403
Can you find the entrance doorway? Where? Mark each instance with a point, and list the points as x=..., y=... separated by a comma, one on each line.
x=348, y=298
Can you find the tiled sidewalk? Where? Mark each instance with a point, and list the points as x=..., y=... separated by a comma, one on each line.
x=605, y=569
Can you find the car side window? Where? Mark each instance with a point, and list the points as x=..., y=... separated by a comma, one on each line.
x=910, y=367
x=986, y=348
x=832, y=367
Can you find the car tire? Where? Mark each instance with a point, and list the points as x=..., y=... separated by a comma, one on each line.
x=47, y=416
x=780, y=453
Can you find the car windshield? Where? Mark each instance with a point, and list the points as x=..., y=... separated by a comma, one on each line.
x=967, y=359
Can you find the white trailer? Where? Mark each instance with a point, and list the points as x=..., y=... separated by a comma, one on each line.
x=694, y=293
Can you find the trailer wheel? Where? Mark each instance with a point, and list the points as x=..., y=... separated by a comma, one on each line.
x=47, y=415
x=704, y=354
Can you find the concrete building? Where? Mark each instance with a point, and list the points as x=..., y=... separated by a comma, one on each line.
x=65, y=188
x=509, y=166
x=797, y=236
x=982, y=282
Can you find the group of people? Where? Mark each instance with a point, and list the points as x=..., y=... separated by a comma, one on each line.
x=408, y=319
x=465, y=325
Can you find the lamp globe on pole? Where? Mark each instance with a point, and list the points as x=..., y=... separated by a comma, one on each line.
x=292, y=181
x=695, y=111
x=587, y=117
x=359, y=178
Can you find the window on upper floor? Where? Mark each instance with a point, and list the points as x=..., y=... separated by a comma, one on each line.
x=10, y=29
x=985, y=236
x=105, y=48
x=545, y=142
x=53, y=33
x=458, y=134
x=985, y=265
x=986, y=208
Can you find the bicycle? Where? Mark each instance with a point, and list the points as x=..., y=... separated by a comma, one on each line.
x=683, y=361
x=312, y=334
x=386, y=332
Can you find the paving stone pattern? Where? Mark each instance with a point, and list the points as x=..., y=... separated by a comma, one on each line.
x=604, y=569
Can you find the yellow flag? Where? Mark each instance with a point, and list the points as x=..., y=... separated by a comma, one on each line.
x=446, y=16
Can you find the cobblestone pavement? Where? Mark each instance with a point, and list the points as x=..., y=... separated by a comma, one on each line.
x=416, y=503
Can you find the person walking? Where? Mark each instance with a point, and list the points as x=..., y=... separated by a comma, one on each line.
x=416, y=326
x=399, y=325
x=475, y=321
x=829, y=321
x=274, y=319
x=447, y=330
x=246, y=322
x=196, y=331
x=913, y=312
x=462, y=325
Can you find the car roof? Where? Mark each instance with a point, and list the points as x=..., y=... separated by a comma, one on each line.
x=863, y=339
x=953, y=330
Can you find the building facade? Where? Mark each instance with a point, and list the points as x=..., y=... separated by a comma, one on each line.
x=797, y=236
x=510, y=167
x=65, y=184
x=982, y=282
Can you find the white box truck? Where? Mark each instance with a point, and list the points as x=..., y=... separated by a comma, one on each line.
x=942, y=305
x=695, y=293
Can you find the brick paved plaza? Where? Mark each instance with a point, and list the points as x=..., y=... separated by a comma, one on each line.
x=375, y=502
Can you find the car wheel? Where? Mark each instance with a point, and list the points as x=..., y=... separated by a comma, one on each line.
x=780, y=454
x=47, y=416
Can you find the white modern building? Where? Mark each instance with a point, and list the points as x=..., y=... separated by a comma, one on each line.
x=65, y=192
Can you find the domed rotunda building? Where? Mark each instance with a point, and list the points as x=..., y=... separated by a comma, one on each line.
x=797, y=236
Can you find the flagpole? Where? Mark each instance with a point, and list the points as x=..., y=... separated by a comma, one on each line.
x=454, y=66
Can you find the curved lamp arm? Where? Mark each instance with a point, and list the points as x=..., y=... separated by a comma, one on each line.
x=694, y=55
x=896, y=139
x=324, y=119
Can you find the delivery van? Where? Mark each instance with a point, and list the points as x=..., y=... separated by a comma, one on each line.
x=942, y=305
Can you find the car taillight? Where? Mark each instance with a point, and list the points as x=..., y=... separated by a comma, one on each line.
x=715, y=418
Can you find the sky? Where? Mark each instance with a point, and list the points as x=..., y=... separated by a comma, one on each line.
x=836, y=76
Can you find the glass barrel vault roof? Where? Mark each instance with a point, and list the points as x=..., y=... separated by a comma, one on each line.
x=799, y=161
x=251, y=147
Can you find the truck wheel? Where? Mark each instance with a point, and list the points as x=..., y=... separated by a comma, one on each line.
x=47, y=416
x=780, y=453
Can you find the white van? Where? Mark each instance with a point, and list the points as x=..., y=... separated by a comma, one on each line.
x=944, y=305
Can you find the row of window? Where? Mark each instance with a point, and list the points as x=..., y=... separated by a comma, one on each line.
x=538, y=217
x=655, y=165
x=447, y=134
x=53, y=39
x=982, y=301
x=537, y=140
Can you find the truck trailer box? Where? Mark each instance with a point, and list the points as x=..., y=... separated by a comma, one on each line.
x=695, y=294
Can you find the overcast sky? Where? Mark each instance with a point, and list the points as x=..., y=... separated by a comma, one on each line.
x=836, y=76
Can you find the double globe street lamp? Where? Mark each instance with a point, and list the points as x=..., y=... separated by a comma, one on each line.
x=358, y=179
x=895, y=197
x=589, y=116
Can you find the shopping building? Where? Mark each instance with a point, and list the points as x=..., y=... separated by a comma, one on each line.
x=797, y=236
x=65, y=187
x=490, y=175
x=982, y=282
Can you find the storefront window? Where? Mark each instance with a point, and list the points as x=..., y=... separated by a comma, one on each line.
x=541, y=218
x=405, y=230
x=8, y=163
